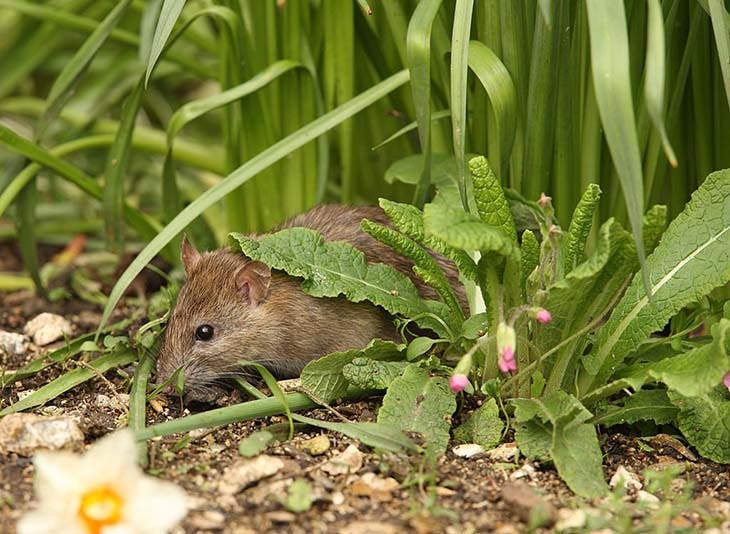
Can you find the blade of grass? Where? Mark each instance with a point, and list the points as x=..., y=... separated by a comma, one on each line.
x=459, y=70
x=165, y=23
x=138, y=401
x=244, y=173
x=410, y=127
x=722, y=41
x=62, y=88
x=612, y=84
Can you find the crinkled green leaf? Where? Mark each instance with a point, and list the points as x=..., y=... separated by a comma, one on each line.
x=483, y=426
x=299, y=496
x=705, y=422
x=323, y=377
x=366, y=373
x=655, y=220
x=644, y=405
x=492, y=206
x=463, y=230
x=417, y=402
x=409, y=220
x=255, y=443
x=335, y=268
x=580, y=227
x=573, y=442
x=692, y=259
x=693, y=373
x=425, y=265
x=475, y=326
x=529, y=256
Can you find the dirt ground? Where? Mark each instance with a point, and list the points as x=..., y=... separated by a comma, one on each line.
x=382, y=493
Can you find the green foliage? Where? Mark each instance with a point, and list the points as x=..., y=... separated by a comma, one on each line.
x=705, y=422
x=366, y=373
x=644, y=405
x=483, y=426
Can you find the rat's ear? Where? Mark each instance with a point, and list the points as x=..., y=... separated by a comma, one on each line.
x=189, y=255
x=252, y=281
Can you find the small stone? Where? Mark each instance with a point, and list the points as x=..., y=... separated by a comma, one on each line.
x=626, y=479
x=13, y=344
x=47, y=328
x=444, y=492
x=371, y=527
x=208, y=520
x=570, y=519
x=243, y=473
x=375, y=487
x=504, y=453
x=282, y=517
x=348, y=461
x=315, y=446
x=25, y=433
x=338, y=498
x=647, y=498
x=528, y=504
x=26, y=393
x=120, y=401
x=526, y=471
x=468, y=450
x=102, y=401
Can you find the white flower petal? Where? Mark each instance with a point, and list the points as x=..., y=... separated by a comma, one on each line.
x=38, y=522
x=156, y=506
x=57, y=475
x=112, y=461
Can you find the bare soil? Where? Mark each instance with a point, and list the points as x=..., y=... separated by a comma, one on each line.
x=475, y=494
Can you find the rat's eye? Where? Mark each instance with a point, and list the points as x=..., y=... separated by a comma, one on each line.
x=204, y=332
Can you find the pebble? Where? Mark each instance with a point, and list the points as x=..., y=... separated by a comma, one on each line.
x=47, y=328
x=371, y=527
x=13, y=344
x=571, y=519
x=526, y=471
x=504, y=453
x=348, y=461
x=375, y=487
x=627, y=479
x=468, y=450
x=647, y=498
x=208, y=520
x=245, y=472
x=316, y=445
x=25, y=433
x=528, y=504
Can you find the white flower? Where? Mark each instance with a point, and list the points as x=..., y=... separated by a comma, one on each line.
x=101, y=492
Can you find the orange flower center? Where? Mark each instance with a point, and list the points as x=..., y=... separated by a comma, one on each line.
x=99, y=508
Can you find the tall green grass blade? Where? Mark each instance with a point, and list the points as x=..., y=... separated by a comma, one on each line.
x=138, y=399
x=546, y=11
x=418, y=49
x=73, y=70
x=722, y=40
x=168, y=17
x=459, y=69
x=25, y=223
x=502, y=95
x=655, y=75
x=116, y=167
x=244, y=173
x=147, y=29
x=612, y=84
x=437, y=115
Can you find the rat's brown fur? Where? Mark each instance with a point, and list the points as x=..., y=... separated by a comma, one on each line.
x=287, y=328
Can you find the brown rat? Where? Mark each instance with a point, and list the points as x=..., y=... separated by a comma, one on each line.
x=232, y=308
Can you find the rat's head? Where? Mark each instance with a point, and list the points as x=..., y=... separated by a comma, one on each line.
x=215, y=317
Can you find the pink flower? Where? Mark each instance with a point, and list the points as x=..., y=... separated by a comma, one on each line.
x=726, y=380
x=458, y=382
x=543, y=316
x=544, y=200
x=506, y=361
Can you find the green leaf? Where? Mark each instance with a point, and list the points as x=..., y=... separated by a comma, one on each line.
x=655, y=220
x=693, y=373
x=460, y=229
x=484, y=426
x=685, y=266
x=612, y=84
x=256, y=443
x=560, y=420
x=299, y=496
x=409, y=220
x=73, y=70
x=496, y=80
x=324, y=377
x=644, y=405
x=705, y=422
x=419, y=346
x=722, y=40
x=332, y=268
x=367, y=374
x=168, y=16
x=491, y=204
x=654, y=76
x=244, y=173
x=475, y=326
x=417, y=402
x=580, y=227
x=529, y=256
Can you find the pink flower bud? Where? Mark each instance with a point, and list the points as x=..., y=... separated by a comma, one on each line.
x=506, y=342
x=458, y=382
x=543, y=316
x=544, y=200
x=507, y=363
x=726, y=380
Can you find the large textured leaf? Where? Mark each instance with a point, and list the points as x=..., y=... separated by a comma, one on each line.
x=692, y=259
x=580, y=227
x=417, y=402
x=460, y=229
x=573, y=444
x=484, y=426
x=332, y=268
x=705, y=422
x=644, y=405
x=492, y=206
x=693, y=373
x=323, y=377
x=367, y=373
